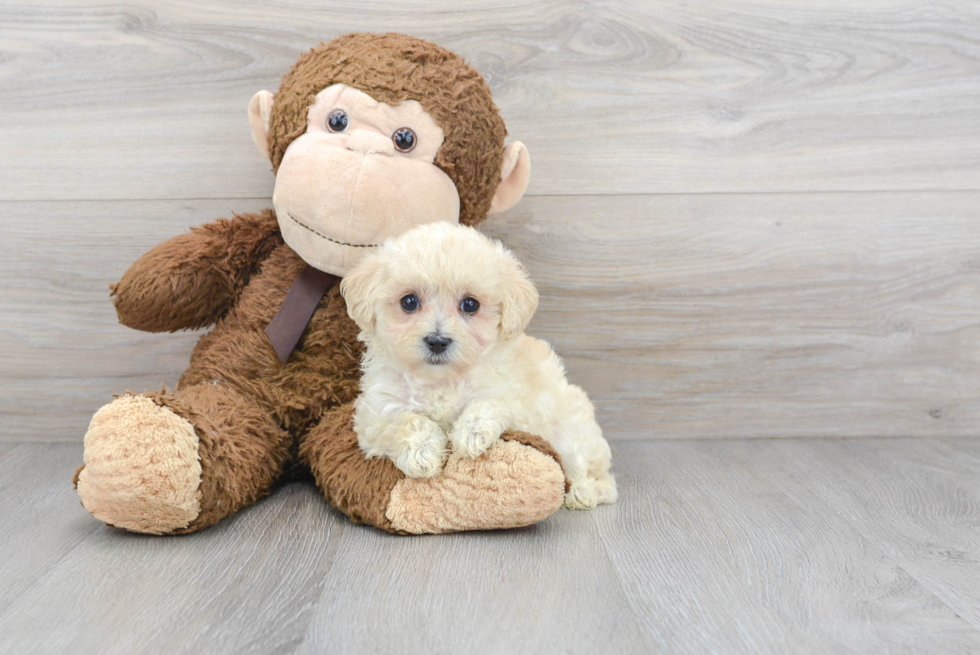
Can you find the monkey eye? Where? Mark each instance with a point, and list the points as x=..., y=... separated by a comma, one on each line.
x=405, y=139
x=469, y=305
x=410, y=303
x=337, y=120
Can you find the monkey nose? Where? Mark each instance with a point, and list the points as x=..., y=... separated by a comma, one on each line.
x=370, y=143
x=437, y=343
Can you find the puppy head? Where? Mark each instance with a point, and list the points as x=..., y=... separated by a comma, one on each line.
x=437, y=297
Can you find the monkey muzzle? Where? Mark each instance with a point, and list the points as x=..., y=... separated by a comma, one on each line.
x=337, y=197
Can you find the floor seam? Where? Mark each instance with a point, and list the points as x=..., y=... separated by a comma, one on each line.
x=791, y=493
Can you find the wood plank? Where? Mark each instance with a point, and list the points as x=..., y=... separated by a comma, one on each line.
x=716, y=558
x=251, y=582
x=66, y=352
x=762, y=315
x=711, y=549
x=41, y=520
x=246, y=585
x=546, y=589
x=142, y=99
x=919, y=501
x=684, y=316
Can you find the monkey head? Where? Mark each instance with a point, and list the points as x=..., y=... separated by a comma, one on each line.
x=370, y=135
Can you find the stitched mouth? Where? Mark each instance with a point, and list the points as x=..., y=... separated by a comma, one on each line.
x=324, y=236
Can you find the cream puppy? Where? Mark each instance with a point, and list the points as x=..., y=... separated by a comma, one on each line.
x=442, y=310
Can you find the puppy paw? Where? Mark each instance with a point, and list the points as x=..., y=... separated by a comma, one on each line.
x=424, y=453
x=473, y=436
x=582, y=495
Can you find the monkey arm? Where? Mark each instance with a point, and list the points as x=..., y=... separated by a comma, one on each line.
x=191, y=280
x=518, y=482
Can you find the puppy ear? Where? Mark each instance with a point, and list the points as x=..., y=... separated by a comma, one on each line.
x=520, y=299
x=359, y=288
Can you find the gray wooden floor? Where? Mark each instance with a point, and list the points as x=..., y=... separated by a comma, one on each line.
x=724, y=546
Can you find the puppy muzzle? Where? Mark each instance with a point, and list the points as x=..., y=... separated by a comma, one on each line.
x=437, y=348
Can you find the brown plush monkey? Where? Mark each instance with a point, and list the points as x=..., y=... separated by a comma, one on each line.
x=369, y=135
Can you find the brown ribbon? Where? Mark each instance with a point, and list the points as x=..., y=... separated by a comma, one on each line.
x=297, y=309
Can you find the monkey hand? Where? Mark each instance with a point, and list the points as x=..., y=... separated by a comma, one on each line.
x=516, y=483
x=191, y=280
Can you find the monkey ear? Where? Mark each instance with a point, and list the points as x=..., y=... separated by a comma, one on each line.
x=514, y=175
x=259, y=110
x=519, y=301
x=359, y=288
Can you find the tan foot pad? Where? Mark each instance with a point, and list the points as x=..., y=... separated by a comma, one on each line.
x=513, y=485
x=142, y=469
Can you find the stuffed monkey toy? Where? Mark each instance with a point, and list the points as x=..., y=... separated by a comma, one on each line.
x=369, y=135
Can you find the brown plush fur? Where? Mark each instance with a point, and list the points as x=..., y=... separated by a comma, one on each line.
x=392, y=68
x=322, y=372
x=242, y=449
x=213, y=263
x=358, y=487
x=254, y=416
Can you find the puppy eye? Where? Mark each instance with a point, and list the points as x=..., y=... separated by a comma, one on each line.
x=404, y=139
x=469, y=305
x=337, y=120
x=410, y=303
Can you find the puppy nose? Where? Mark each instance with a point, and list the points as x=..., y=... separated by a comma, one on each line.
x=437, y=343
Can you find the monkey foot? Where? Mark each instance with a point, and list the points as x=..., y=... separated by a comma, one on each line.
x=516, y=483
x=142, y=469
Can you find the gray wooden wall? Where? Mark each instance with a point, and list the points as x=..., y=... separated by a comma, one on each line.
x=746, y=218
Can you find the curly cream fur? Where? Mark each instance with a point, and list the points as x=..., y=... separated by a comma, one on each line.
x=492, y=377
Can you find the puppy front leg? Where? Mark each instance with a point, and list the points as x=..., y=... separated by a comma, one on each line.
x=478, y=427
x=415, y=443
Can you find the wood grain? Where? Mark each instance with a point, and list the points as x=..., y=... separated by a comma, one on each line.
x=73, y=584
x=715, y=546
x=716, y=558
x=683, y=316
x=41, y=520
x=142, y=99
x=550, y=588
x=919, y=499
x=763, y=315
